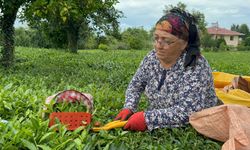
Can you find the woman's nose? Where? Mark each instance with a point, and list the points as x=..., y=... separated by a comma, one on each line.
x=158, y=45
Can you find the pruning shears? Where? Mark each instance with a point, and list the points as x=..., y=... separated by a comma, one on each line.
x=110, y=125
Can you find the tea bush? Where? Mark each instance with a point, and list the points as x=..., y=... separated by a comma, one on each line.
x=39, y=73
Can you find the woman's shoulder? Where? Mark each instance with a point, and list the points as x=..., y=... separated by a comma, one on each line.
x=201, y=67
x=201, y=72
x=151, y=56
x=202, y=62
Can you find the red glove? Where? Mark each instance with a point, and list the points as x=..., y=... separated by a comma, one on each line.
x=136, y=122
x=124, y=114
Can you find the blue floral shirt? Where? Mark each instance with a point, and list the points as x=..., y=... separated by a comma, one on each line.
x=174, y=93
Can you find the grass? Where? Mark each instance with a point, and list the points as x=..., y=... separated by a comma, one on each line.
x=39, y=73
x=235, y=62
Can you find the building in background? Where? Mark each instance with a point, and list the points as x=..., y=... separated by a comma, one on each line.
x=232, y=38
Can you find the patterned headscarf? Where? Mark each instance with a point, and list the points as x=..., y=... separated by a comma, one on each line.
x=182, y=25
x=175, y=24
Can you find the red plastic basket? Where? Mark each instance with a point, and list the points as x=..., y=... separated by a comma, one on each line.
x=72, y=120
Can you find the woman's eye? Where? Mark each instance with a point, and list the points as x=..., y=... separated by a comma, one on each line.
x=156, y=38
x=168, y=42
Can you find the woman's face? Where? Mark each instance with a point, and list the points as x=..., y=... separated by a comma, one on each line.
x=168, y=47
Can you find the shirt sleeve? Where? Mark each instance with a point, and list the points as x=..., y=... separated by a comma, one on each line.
x=196, y=93
x=137, y=85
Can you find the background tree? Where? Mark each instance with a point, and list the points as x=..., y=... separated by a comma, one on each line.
x=200, y=17
x=235, y=27
x=27, y=37
x=23, y=37
x=245, y=30
x=180, y=5
x=207, y=41
x=247, y=41
x=137, y=38
x=8, y=11
x=68, y=17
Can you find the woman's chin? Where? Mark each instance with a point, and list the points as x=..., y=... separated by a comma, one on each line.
x=160, y=56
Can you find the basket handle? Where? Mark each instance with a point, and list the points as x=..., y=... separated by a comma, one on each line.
x=72, y=96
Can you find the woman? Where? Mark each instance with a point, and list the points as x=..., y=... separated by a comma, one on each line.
x=176, y=79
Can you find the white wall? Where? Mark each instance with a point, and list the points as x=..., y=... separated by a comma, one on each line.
x=234, y=42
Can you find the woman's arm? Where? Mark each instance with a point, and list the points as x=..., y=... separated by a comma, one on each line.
x=137, y=84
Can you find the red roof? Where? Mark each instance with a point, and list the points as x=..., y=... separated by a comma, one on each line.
x=222, y=31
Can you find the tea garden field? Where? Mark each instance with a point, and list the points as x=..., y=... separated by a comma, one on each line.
x=39, y=73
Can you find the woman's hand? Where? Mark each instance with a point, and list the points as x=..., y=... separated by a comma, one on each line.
x=124, y=114
x=136, y=122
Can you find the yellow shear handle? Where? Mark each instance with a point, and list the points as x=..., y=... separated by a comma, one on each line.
x=111, y=125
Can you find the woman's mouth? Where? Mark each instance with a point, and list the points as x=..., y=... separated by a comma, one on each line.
x=160, y=51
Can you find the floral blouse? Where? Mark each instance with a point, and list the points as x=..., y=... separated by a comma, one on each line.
x=174, y=93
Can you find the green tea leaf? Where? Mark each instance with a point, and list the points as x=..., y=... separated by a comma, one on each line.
x=28, y=144
x=8, y=86
x=7, y=105
x=44, y=147
x=46, y=136
x=35, y=123
x=78, y=142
